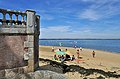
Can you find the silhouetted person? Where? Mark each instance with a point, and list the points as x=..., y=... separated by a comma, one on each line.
x=55, y=57
x=78, y=53
x=67, y=57
x=66, y=50
x=59, y=49
x=73, y=58
x=53, y=49
x=93, y=53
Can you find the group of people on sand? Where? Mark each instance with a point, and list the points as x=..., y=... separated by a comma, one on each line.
x=67, y=57
x=78, y=53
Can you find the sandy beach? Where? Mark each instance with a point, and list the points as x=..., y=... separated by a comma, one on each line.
x=103, y=60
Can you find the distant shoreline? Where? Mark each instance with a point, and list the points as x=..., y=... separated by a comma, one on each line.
x=105, y=45
x=78, y=39
x=78, y=47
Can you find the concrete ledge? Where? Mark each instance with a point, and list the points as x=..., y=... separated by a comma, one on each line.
x=30, y=38
x=15, y=34
x=12, y=30
x=13, y=26
x=12, y=72
x=28, y=44
x=30, y=30
x=2, y=73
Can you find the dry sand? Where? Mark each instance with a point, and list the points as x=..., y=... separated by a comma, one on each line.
x=103, y=60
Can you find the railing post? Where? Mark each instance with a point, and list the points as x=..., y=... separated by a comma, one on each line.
x=4, y=18
x=30, y=21
x=30, y=41
x=16, y=19
x=10, y=14
x=36, y=41
x=23, y=19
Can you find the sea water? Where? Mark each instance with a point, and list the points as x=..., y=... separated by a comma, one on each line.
x=105, y=45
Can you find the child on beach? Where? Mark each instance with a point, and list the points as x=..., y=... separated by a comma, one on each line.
x=81, y=48
x=66, y=50
x=59, y=57
x=52, y=49
x=72, y=58
x=93, y=53
x=55, y=57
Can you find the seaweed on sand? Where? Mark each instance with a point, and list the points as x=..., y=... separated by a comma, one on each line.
x=81, y=70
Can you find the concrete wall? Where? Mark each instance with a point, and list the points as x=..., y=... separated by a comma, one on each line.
x=19, y=40
x=11, y=51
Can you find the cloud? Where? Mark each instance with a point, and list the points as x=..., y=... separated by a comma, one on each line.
x=55, y=31
x=58, y=28
x=83, y=32
x=47, y=17
x=90, y=14
x=64, y=32
x=100, y=9
x=88, y=0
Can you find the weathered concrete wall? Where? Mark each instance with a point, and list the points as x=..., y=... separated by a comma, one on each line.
x=11, y=51
x=19, y=40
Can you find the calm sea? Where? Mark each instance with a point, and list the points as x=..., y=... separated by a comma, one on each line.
x=105, y=45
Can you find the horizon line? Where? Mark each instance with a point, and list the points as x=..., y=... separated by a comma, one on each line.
x=79, y=38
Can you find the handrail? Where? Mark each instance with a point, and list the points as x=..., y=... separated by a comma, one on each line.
x=5, y=21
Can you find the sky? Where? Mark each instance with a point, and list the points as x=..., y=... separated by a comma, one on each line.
x=81, y=19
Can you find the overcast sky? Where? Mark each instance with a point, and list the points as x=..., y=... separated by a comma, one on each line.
x=73, y=18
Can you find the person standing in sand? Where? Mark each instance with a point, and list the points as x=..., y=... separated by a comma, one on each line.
x=53, y=49
x=78, y=54
x=93, y=54
x=81, y=48
x=66, y=50
x=75, y=47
